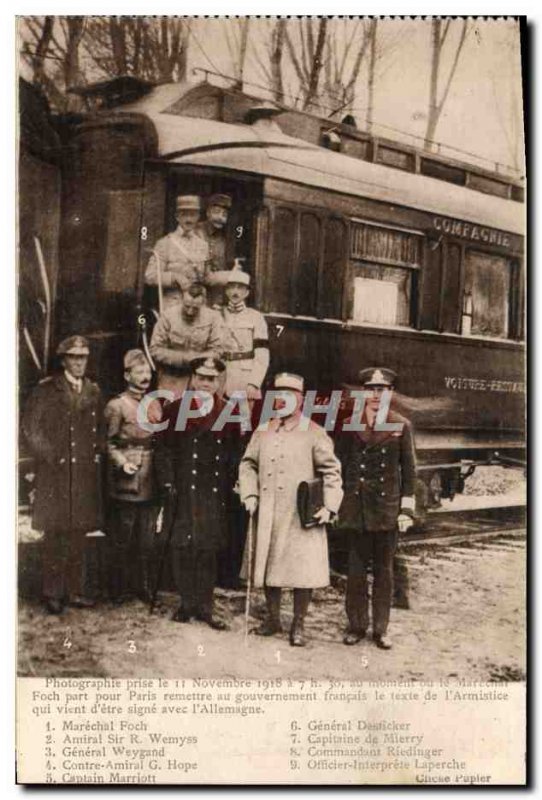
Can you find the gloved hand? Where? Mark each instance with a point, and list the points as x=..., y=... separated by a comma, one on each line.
x=323, y=516
x=251, y=504
x=129, y=468
x=404, y=522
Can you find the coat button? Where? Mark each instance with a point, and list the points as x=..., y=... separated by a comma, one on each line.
x=362, y=466
x=217, y=474
x=383, y=449
x=192, y=487
x=215, y=489
x=381, y=480
x=362, y=480
x=217, y=458
x=194, y=472
x=62, y=461
x=219, y=441
x=194, y=455
x=383, y=464
x=195, y=441
x=73, y=460
x=383, y=494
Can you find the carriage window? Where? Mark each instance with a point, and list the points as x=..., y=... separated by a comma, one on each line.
x=486, y=294
x=383, y=265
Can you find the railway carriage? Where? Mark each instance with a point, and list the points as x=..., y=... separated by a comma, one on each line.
x=362, y=251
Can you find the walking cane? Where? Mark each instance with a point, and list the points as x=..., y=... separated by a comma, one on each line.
x=250, y=540
x=167, y=541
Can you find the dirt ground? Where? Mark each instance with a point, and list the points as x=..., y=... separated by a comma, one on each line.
x=466, y=621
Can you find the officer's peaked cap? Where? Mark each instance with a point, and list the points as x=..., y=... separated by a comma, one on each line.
x=207, y=367
x=238, y=276
x=223, y=200
x=73, y=346
x=188, y=202
x=288, y=380
x=134, y=357
x=377, y=376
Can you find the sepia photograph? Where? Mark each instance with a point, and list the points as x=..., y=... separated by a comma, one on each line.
x=271, y=356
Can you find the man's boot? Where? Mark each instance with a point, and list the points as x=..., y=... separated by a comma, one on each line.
x=271, y=624
x=302, y=599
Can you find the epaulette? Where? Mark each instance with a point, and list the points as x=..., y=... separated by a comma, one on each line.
x=48, y=379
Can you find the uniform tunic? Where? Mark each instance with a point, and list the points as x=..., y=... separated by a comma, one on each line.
x=127, y=442
x=379, y=468
x=217, y=273
x=182, y=258
x=246, y=348
x=64, y=429
x=276, y=461
x=176, y=341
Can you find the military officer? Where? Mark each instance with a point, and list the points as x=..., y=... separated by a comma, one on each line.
x=379, y=470
x=213, y=231
x=180, y=258
x=185, y=331
x=286, y=554
x=133, y=511
x=193, y=470
x=246, y=339
x=246, y=353
x=64, y=427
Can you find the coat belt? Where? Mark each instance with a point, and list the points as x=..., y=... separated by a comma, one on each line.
x=239, y=356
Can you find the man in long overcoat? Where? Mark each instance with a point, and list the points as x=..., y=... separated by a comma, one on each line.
x=193, y=470
x=287, y=555
x=64, y=428
x=379, y=471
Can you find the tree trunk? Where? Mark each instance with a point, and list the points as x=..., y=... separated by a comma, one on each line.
x=371, y=74
x=38, y=59
x=433, y=109
x=316, y=65
x=277, y=86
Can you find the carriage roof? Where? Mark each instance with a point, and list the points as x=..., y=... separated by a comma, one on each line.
x=263, y=149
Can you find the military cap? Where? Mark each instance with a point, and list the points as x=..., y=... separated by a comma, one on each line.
x=288, y=380
x=133, y=357
x=223, y=200
x=238, y=276
x=208, y=367
x=377, y=376
x=73, y=346
x=188, y=202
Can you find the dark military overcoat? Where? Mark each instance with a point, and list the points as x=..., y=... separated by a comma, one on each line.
x=66, y=435
x=198, y=462
x=379, y=468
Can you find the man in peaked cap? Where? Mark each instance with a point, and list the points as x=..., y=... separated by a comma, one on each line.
x=379, y=471
x=212, y=230
x=194, y=471
x=246, y=353
x=287, y=556
x=179, y=258
x=131, y=485
x=64, y=427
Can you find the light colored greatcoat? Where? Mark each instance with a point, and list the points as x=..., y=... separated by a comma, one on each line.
x=275, y=462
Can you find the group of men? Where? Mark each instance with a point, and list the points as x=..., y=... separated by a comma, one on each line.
x=209, y=482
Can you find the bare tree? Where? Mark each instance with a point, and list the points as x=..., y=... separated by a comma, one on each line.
x=308, y=64
x=440, y=29
x=237, y=34
x=151, y=48
x=346, y=51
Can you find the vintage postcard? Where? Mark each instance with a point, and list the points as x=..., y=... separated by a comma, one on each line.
x=271, y=349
